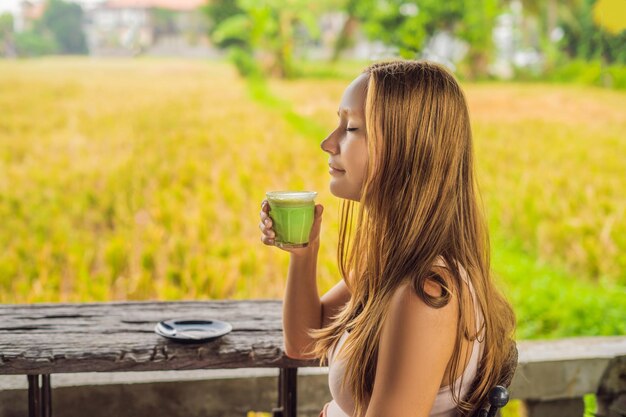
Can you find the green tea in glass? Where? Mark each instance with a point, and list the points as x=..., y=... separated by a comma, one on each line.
x=292, y=215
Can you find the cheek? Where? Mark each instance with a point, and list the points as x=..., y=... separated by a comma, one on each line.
x=359, y=161
x=355, y=152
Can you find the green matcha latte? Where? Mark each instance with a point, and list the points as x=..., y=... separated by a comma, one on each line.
x=292, y=215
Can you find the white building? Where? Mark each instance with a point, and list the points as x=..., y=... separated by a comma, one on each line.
x=25, y=10
x=128, y=27
x=125, y=27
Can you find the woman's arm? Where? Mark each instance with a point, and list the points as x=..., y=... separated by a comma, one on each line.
x=416, y=345
x=302, y=307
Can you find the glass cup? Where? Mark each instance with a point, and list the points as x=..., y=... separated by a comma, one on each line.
x=292, y=214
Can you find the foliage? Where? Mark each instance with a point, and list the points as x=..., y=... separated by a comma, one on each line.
x=6, y=25
x=415, y=22
x=584, y=39
x=31, y=43
x=219, y=11
x=583, y=36
x=345, y=38
x=6, y=32
x=244, y=62
x=412, y=25
x=549, y=304
x=589, y=73
x=64, y=21
x=58, y=31
x=264, y=30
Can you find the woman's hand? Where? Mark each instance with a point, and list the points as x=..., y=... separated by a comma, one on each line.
x=268, y=234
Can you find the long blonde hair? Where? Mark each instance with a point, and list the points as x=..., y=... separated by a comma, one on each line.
x=419, y=202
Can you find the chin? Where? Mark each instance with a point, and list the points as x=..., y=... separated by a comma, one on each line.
x=336, y=189
x=340, y=191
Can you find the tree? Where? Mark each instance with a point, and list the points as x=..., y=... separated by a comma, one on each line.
x=260, y=33
x=409, y=24
x=64, y=21
x=476, y=28
x=6, y=35
x=218, y=11
x=33, y=43
x=548, y=14
x=585, y=39
x=346, y=36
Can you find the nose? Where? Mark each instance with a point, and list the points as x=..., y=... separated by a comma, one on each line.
x=330, y=144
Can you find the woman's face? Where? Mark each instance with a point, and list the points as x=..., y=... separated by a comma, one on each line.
x=347, y=144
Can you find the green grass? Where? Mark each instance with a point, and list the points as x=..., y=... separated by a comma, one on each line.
x=550, y=303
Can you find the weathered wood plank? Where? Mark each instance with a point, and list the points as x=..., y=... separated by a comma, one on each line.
x=100, y=337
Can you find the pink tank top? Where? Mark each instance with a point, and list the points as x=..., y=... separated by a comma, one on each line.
x=342, y=404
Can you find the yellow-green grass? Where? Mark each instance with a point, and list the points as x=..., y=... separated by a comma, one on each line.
x=140, y=179
x=143, y=180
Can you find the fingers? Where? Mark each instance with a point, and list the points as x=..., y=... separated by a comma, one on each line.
x=266, y=228
x=267, y=241
x=265, y=225
x=268, y=235
x=265, y=207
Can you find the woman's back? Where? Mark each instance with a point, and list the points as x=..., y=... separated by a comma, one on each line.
x=342, y=404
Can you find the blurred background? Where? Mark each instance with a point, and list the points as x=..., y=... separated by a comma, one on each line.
x=138, y=139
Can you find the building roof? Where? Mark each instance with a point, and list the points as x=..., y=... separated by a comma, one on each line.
x=178, y=5
x=33, y=11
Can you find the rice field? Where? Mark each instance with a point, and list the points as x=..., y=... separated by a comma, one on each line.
x=142, y=179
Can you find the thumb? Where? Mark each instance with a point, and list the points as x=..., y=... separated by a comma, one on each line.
x=317, y=220
x=319, y=209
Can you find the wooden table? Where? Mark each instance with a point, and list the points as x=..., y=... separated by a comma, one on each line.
x=42, y=339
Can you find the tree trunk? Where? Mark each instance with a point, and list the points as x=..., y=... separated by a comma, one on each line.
x=345, y=38
x=478, y=64
x=284, y=49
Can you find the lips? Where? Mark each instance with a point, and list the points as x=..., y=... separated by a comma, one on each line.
x=335, y=168
x=335, y=172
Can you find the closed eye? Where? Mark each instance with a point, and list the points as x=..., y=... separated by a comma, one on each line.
x=351, y=129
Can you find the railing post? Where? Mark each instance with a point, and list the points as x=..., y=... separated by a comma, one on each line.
x=39, y=397
x=287, y=393
x=46, y=396
x=34, y=398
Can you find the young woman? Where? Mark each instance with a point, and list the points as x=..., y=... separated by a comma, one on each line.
x=415, y=320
